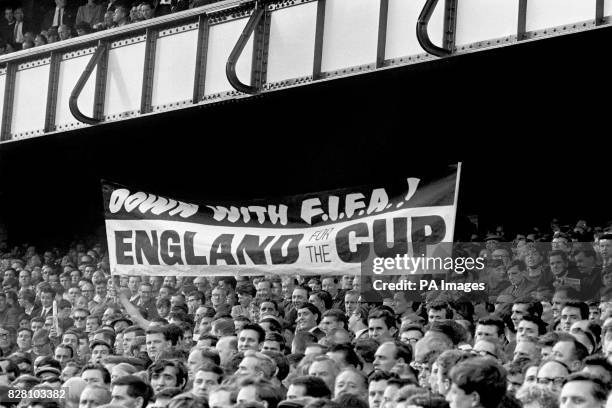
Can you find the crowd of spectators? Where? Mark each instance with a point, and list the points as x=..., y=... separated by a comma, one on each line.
x=541, y=339
x=32, y=23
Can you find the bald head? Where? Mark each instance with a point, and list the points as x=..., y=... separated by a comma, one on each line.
x=94, y=395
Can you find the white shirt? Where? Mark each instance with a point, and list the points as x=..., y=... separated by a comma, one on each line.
x=18, y=33
x=58, y=17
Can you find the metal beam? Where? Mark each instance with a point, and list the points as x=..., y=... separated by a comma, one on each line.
x=599, y=12
x=100, y=85
x=521, y=28
x=9, y=96
x=319, y=31
x=73, y=101
x=201, y=58
x=148, y=70
x=54, y=68
x=261, y=45
x=232, y=61
x=383, y=17
x=450, y=25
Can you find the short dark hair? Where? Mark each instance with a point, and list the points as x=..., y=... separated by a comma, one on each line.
x=246, y=289
x=303, y=287
x=549, y=339
x=350, y=356
x=534, y=308
x=587, y=251
x=265, y=390
x=536, y=320
x=583, y=307
x=483, y=376
x=600, y=389
x=366, y=349
x=338, y=314
x=313, y=309
x=402, y=350
x=48, y=289
x=451, y=329
x=105, y=374
x=25, y=329
x=560, y=253
x=314, y=386
x=12, y=366
x=379, y=375
x=281, y=361
x=428, y=400
x=439, y=305
x=274, y=302
x=325, y=297
x=599, y=361
x=181, y=371
x=138, y=330
x=163, y=302
x=347, y=400
x=136, y=387
x=389, y=318
x=212, y=368
x=493, y=321
x=49, y=361
x=198, y=295
x=275, y=326
x=257, y=328
x=274, y=336
x=173, y=333
x=519, y=264
x=212, y=355
x=158, y=330
x=207, y=336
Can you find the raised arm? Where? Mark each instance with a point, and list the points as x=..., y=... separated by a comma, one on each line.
x=124, y=298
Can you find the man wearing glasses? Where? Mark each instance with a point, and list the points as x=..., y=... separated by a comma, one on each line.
x=551, y=374
x=80, y=318
x=6, y=341
x=411, y=333
x=41, y=345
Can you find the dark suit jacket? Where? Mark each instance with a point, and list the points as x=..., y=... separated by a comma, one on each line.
x=38, y=312
x=69, y=18
x=35, y=311
x=26, y=27
x=6, y=31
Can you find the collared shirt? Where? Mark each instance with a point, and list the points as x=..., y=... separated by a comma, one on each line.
x=58, y=17
x=525, y=287
x=46, y=312
x=18, y=32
